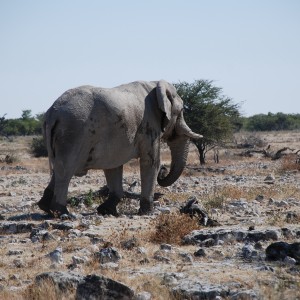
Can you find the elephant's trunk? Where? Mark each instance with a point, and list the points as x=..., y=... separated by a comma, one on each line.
x=179, y=150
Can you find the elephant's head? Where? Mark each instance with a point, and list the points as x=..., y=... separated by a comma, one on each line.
x=175, y=131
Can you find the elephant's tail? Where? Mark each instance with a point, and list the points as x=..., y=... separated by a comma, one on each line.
x=48, y=129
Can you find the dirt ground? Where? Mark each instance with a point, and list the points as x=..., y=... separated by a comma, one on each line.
x=235, y=192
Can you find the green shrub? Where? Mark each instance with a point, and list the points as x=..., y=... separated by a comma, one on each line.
x=38, y=147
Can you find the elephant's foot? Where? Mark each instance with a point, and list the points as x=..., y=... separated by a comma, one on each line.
x=57, y=210
x=109, y=207
x=146, y=206
x=44, y=203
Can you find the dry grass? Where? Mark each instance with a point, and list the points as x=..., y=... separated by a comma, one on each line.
x=171, y=228
x=47, y=290
x=286, y=286
x=221, y=194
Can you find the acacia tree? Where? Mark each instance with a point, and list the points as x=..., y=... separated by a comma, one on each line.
x=208, y=112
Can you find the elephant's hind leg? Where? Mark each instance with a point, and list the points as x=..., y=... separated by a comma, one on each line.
x=114, y=182
x=45, y=202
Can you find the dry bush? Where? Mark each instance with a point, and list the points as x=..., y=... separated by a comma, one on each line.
x=217, y=202
x=289, y=163
x=171, y=228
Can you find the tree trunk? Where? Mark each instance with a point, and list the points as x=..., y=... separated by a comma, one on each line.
x=201, y=149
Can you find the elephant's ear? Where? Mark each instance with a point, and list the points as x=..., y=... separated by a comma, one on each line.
x=164, y=98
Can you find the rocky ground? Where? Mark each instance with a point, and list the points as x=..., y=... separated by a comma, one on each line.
x=254, y=203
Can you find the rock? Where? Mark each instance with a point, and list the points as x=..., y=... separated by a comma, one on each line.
x=292, y=217
x=164, y=210
x=270, y=179
x=187, y=257
x=63, y=281
x=14, y=228
x=143, y=296
x=41, y=235
x=144, y=261
x=171, y=279
x=187, y=289
x=130, y=244
x=289, y=260
x=280, y=250
x=294, y=251
x=66, y=225
x=244, y=295
x=266, y=268
x=56, y=256
x=166, y=247
x=258, y=246
x=229, y=235
x=64, y=217
x=196, y=290
x=161, y=258
x=97, y=287
x=272, y=235
x=282, y=203
x=200, y=253
x=141, y=250
x=259, y=198
x=109, y=254
x=109, y=266
x=79, y=260
x=248, y=251
x=271, y=201
x=209, y=242
x=241, y=204
x=15, y=252
x=294, y=270
x=212, y=223
x=19, y=263
x=287, y=233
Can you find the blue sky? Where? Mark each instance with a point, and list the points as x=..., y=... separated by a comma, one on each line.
x=250, y=48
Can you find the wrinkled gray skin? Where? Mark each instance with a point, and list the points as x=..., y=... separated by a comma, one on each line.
x=96, y=128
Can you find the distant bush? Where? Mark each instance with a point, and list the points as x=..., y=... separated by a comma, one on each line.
x=38, y=147
x=270, y=121
x=26, y=125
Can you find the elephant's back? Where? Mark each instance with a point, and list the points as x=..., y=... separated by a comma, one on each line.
x=75, y=103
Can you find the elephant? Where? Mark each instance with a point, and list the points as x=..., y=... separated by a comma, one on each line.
x=103, y=128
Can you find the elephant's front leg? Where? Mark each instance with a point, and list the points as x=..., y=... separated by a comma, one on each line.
x=114, y=182
x=149, y=165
